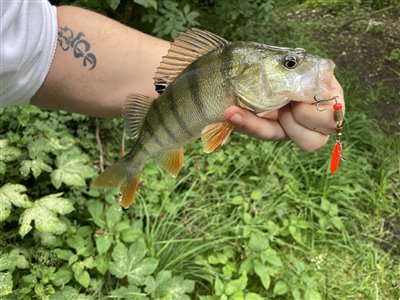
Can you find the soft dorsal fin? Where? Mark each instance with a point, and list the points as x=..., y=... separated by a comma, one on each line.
x=186, y=48
x=171, y=160
x=134, y=111
x=215, y=135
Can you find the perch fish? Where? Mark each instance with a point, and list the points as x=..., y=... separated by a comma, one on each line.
x=199, y=78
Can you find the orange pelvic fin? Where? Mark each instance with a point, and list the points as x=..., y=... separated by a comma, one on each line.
x=171, y=161
x=216, y=135
x=128, y=191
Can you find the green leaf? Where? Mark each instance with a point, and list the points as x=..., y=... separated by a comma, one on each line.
x=253, y=296
x=35, y=166
x=123, y=225
x=179, y=287
x=62, y=277
x=312, y=294
x=131, y=263
x=77, y=242
x=57, y=204
x=270, y=255
x=6, y=283
x=80, y=274
x=147, y=3
x=246, y=265
x=113, y=3
x=337, y=222
x=141, y=270
x=103, y=243
x=3, y=168
x=238, y=200
x=218, y=286
x=5, y=208
x=131, y=234
x=44, y=214
x=295, y=233
x=73, y=167
x=101, y=264
x=63, y=254
x=263, y=273
x=281, y=288
x=130, y=292
x=234, y=286
x=12, y=260
x=8, y=153
x=69, y=293
x=159, y=287
x=12, y=194
x=96, y=209
x=325, y=205
x=219, y=258
x=256, y=195
x=258, y=242
x=113, y=215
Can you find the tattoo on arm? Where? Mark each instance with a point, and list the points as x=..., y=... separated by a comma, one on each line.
x=80, y=47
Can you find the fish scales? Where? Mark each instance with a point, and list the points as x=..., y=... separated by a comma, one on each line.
x=194, y=99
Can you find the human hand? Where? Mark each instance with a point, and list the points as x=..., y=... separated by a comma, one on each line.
x=301, y=122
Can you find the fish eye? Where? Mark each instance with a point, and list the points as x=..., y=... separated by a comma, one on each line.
x=289, y=62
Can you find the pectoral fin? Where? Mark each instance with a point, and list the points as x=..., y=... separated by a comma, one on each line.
x=215, y=135
x=171, y=161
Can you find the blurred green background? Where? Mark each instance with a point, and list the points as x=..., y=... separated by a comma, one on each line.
x=256, y=220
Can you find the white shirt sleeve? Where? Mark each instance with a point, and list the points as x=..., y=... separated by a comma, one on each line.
x=28, y=37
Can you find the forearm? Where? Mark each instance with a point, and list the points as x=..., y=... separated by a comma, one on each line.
x=97, y=62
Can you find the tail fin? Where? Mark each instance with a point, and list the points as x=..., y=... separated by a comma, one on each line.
x=119, y=175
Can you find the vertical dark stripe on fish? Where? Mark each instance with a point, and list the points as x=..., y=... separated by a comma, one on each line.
x=160, y=117
x=226, y=65
x=149, y=128
x=194, y=88
x=172, y=103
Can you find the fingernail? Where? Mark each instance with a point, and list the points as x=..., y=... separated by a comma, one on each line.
x=236, y=118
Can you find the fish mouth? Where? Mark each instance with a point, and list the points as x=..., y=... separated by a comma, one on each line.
x=316, y=83
x=324, y=79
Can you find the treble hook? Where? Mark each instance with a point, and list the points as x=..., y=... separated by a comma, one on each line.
x=318, y=102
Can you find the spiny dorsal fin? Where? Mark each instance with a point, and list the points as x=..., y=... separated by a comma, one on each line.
x=216, y=135
x=186, y=48
x=171, y=161
x=134, y=111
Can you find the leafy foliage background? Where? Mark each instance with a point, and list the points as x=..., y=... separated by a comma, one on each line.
x=255, y=220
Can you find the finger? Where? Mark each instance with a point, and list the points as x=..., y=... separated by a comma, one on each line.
x=322, y=121
x=305, y=138
x=250, y=124
x=270, y=115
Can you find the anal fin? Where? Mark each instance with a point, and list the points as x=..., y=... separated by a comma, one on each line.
x=215, y=135
x=171, y=161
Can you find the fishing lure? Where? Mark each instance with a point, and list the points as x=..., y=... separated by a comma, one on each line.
x=337, y=149
x=339, y=118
